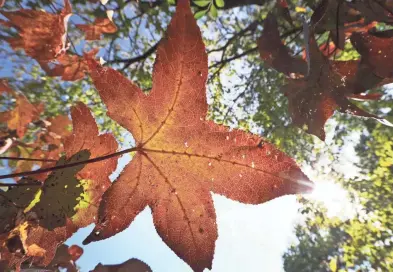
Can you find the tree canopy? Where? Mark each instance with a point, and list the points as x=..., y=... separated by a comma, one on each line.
x=232, y=97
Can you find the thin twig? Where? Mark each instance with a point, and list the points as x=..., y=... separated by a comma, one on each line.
x=20, y=184
x=58, y=167
x=26, y=159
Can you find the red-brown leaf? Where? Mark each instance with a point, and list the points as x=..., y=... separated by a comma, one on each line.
x=42, y=35
x=275, y=53
x=99, y=27
x=376, y=50
x=374, y=10
x=313, y=100
x=69, y=67
x=181, y=158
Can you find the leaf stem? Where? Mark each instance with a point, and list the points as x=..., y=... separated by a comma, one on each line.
x=58, y=167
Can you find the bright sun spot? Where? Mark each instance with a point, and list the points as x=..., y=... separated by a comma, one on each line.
x=334, y=198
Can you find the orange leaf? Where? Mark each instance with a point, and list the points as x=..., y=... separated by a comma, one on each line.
x=23, y=114
x=69, y=67
x=181, y=158
x=4, y=88
x=100, y=26
x=85, y=136
x=42, y=35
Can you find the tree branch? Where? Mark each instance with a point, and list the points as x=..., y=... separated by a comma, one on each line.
x=26, y=159
x=58, y=167
x=130, y=61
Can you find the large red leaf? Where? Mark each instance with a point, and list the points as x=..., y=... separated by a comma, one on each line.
x=181, y=158
x=42, y=35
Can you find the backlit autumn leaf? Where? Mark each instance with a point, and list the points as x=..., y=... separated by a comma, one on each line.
x=23, y=114
x=42, y=35
x=99, y=27
x=95, y=176
x=180, y=157
x=68, y=67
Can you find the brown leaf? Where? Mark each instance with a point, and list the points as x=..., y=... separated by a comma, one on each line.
x=340, y=19
x=376, y=50
x=99, y=27
x=42, y=35
x=132, y=265
x=275, y=53
x=181, y=158
x=374, y=10
x=69, y=67
x=313, y=100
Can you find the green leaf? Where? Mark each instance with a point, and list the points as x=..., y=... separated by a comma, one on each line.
x=220, y=3
x=202, y=3
x=213, y=12
x=13, y=201
x=200, y=13
x=61, y=193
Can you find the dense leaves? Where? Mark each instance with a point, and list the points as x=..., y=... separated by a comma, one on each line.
x=42, y=35
x=322, y=87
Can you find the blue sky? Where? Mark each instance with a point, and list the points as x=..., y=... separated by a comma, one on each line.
x=251, y=238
